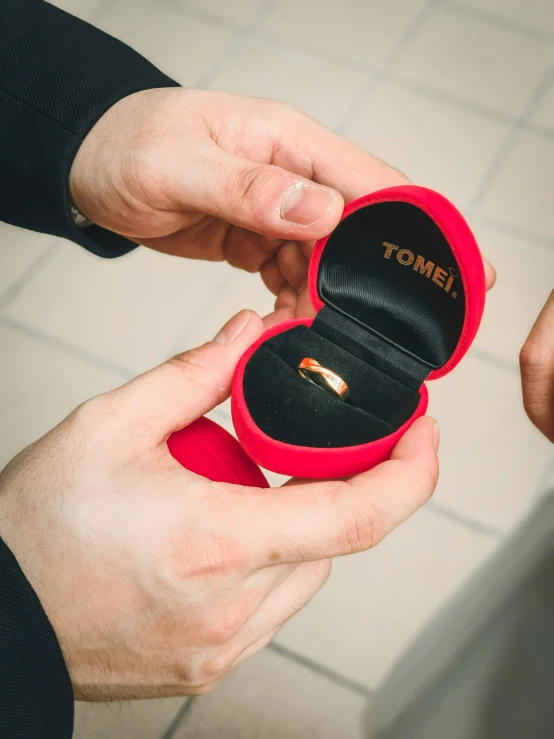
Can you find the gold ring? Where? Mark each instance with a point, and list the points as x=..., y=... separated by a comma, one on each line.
x=312, y=371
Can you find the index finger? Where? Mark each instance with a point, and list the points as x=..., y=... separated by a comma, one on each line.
x=316, y=152
x=537, y=371
x=312, y=521
x=330, y=160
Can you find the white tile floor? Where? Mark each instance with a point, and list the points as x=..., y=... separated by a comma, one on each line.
x=460, y=95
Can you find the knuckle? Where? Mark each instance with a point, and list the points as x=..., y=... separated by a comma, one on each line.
x=218, y=630
x=87, y=414
x=537, y=369
x=213, y=555
x=202, y=686
x=208, y=632
x=199, y=690
x=230, y=623
x=193, y=673
x=146, y=160
x=254, y=183
x=535, y=356
x=147, y=167
x=364, y=528
x=192, y=364
x=250, y=181
x=87, y=410
x=248, y=260
x=290, y=110
x=217, y=664
x=278, y=109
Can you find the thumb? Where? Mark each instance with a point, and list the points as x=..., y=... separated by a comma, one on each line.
x=263, y=198
x=179, y=391
x=319, y=520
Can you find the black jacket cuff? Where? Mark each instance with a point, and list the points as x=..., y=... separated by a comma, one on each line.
x=58, y=76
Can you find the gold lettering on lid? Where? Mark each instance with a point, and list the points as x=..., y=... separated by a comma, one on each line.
x=425, y=268
x=438, y=276
x=389, y=249
x=405, y=256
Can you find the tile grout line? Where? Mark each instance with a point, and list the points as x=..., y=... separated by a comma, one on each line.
x=466, y=521
x=539, y=240
x=36, y=265
x=405, y=83
x=334, y=677
x=539, y=129
x=382, y=74
x=421, y=88
x=97, y=13
x=511, y=139
x=85, y=356
x=204, y=16
x=179, y=345
x=346, y=62
x=322, y=670
x=221, y=415
x=499, y=21
x=319, y=669
x=499, y=363
x=178, y=719
x=241, y=35
x=541, y=488
x=384, y=71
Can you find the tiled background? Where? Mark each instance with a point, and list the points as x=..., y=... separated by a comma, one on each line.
x=457, y=93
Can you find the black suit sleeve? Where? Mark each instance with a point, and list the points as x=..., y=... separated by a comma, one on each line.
x=58, y=75
x=36, y=698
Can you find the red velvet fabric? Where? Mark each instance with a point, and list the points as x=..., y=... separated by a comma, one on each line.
x=209, y=450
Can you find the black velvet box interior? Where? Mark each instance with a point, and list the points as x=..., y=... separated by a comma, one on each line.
x=394, y=310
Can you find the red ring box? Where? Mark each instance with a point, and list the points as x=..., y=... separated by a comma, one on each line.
x=399, y=290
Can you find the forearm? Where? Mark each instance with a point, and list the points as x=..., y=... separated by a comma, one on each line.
x=58, y=76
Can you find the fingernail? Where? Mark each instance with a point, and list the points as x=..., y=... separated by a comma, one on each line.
x=304, y=205
x=232, y=328
x=436, y=436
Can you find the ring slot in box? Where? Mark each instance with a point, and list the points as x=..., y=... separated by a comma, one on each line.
x=399, y=291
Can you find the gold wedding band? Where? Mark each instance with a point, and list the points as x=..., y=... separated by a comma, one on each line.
x=312, y=371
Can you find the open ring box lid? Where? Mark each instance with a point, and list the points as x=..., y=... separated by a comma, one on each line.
x=399, y=290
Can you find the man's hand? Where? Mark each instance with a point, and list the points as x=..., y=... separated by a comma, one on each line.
x=537, y=371
x=158, y=581
x=213, y=176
